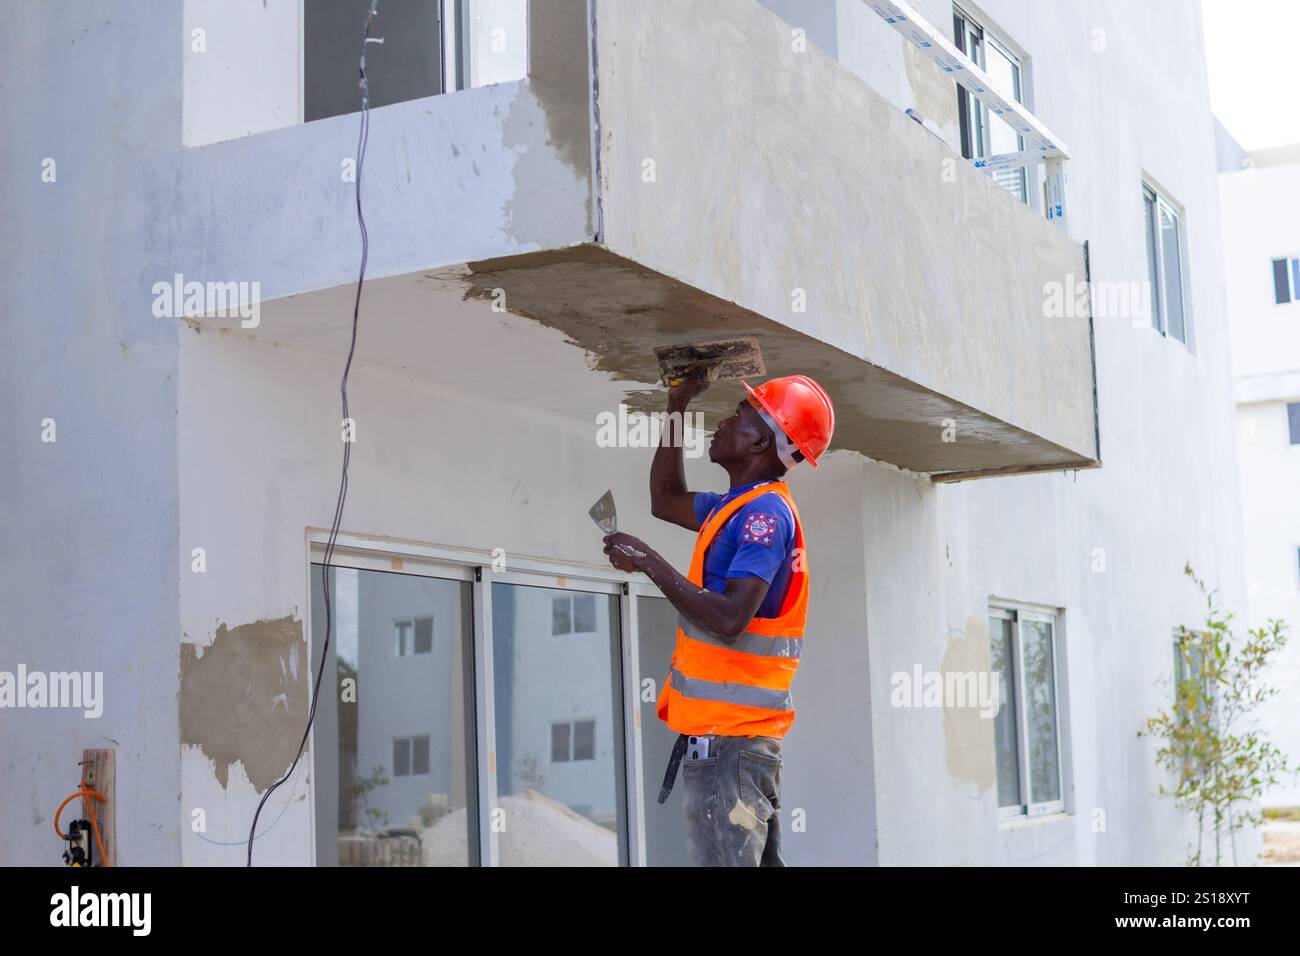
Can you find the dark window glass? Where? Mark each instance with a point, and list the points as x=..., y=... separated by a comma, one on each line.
x=1281, y=287
x=1293, y=421
x=407, y=66
x=561, y=621
x=584, y=740
x=584, y=613
x=423, y=635
x=402, y=757
x=559, y=742
x=420, y=754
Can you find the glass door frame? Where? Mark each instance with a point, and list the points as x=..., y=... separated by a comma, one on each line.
x=475, y=565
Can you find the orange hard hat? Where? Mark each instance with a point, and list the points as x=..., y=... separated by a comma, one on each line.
x=801, y=409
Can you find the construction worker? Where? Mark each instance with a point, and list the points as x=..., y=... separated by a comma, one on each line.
x=741, y=613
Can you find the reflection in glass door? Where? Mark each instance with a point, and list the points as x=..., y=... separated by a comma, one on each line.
x=559, y=753
x=393, y=745
x=665, y=828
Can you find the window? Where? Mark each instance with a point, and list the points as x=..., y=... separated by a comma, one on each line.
x=1286, y=280
x=432, y=726
x=1026, y=729
x=573, y=740
x=573, y=614
x=533, y=679
x=408, y=65
x=1164, y=242
x=394, y=741
x=411, y=756
x=413, y=636
x=981, y=133
x=1293, y=421
x=430, y=47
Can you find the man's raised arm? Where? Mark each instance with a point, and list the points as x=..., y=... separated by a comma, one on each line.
x=669, y=498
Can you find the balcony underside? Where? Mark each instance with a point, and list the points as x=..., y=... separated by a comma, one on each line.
x=618, y=312
x=579, y=335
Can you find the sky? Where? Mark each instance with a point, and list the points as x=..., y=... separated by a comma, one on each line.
x=1250, y=49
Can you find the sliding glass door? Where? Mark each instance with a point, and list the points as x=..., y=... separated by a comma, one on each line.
x=476, y=718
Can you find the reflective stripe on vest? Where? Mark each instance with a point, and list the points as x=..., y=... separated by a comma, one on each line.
x=747, y=643
x=728, y=692
x=742, y=687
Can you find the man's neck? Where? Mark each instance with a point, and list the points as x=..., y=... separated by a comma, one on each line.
x=748, y=474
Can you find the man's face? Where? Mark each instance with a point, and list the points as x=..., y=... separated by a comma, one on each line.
x=735, y=436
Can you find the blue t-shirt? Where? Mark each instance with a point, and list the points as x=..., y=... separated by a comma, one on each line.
x=757, y=541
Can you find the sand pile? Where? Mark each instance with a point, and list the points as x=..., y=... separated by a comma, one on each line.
x=538, y=831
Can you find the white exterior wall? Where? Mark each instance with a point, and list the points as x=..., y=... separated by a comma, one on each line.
x=936, y=555
x=903, y=569
x=89, y=580
x=1266, y=358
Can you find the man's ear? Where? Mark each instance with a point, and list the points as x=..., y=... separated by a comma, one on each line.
x=762, y=443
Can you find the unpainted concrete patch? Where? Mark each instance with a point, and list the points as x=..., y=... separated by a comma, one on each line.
x=968, y=736
x=244, y=698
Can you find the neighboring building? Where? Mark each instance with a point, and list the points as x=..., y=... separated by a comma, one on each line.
x=1261, y=251
x=606, y=177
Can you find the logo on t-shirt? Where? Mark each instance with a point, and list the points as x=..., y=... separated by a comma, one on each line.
x=759, y=528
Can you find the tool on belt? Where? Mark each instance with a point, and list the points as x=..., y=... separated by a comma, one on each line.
x=690, y=746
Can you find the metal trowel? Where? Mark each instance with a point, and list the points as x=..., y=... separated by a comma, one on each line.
x=718, y=359
x=603, y=513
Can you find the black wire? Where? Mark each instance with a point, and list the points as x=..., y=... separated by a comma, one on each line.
x=363, y=137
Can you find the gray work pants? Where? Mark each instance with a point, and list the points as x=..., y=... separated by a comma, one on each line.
x=732, y=801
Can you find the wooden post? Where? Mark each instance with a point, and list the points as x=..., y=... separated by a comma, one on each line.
x=98, y=771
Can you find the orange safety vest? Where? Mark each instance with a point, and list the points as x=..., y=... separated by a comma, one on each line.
x=742, y=688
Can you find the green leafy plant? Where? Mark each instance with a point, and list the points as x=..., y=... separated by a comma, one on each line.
x=1208, y=740
x=368, y=817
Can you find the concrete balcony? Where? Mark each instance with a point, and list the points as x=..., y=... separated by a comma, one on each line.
x=674, y=171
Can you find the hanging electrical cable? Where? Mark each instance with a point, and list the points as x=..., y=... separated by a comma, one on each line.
x=363, y=137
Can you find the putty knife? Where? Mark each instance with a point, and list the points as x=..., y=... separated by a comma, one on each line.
x=603, y=513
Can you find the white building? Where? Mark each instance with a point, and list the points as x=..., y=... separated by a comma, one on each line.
x=1261, y=251
x=605, y=176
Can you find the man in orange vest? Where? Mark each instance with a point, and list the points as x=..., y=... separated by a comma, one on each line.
x=741, y=613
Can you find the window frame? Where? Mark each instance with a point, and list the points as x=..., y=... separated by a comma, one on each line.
x=573, y=616
x=1018, y=612
x=474, y=565
x=572, y=748
x=399, y=644
x=409, y=740
x=1161, y=202
x=970, y=23
x=1290, y=273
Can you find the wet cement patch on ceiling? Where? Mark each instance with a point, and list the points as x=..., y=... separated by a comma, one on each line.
x=244, y=698
x=619, y=311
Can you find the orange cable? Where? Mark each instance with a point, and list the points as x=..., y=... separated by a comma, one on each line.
x=84, y=791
